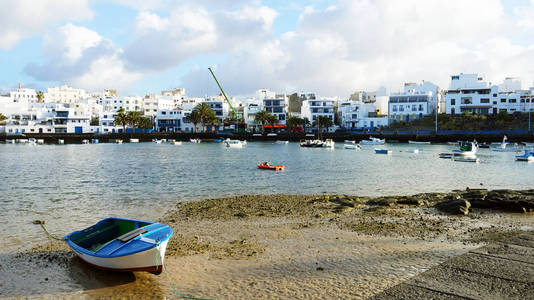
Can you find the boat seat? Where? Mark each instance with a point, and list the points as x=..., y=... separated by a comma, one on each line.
x=131, y=235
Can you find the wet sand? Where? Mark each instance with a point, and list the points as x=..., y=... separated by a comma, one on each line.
x=274, y=247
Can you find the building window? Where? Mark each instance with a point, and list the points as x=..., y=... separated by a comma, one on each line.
x=453, y=101
x=484, y=100
x=420, y=107
x=467, y=101
x=414, y=107
x=494, y=95
x=394, y=107
x=512, y=101
x=401, y=107
x=503, y=100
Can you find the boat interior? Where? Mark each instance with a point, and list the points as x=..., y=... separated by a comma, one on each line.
x=100, y=234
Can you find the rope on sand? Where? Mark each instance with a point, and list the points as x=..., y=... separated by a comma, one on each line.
x=42, y=222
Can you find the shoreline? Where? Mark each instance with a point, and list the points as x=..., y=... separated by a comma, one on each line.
x=285, y=246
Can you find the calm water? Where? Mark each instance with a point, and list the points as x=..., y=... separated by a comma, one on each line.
x=72, y=186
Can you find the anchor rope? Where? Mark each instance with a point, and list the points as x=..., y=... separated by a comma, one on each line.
x=42, y=222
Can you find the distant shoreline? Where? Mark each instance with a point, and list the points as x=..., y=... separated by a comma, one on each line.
x=390, y=136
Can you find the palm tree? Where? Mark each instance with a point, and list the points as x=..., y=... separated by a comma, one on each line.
x=146, y=123
x=263, y=117
x=213, y=120
x=306, y=122
x=322, y=121
x=294, y=121
x=120, y=119
x=205, y=114
x=193, y=117
x=133, y=118
x=40, y=96
x=2, y=118
x=272, y=120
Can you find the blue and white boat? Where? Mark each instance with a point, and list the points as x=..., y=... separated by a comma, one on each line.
x=119, y=244
x=383, y=151
x=527, y=156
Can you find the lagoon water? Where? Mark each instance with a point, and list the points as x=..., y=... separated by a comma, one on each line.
x=73, y=186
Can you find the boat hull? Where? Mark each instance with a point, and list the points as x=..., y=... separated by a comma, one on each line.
x=150, y=260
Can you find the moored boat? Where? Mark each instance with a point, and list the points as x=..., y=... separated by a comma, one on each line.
x=85, y=142
x=329, y=143
x=466, y=149
x=350, y=142
x=10, y=141
x=373, y=141
x=267, y=166
x=311, y=143
x=418, y=143
x=194, y=140
x=118, y=141
x=233, y=143
x=352, y=146
x=177, y=143
x=40, y=141
x=466, y=159
x=383, y=151
x=120, y=244
x=61, y=141
x=445, y=155
x=134, y=140
x=157, y=141
x=527, y=156
x=414, y=151
x=282, y=142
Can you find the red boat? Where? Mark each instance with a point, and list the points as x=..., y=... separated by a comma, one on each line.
x=265, y=165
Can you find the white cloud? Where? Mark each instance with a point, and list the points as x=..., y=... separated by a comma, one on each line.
x=81, y=57
x=146, y=21
x=23, y=18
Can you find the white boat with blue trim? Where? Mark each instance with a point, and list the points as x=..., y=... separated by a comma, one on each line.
x=119, y=244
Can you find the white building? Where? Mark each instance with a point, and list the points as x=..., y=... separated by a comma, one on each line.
x=169, y=120
x=277, y=106
x=417, y=101
x=152, y=103
x=472, y=94
x=357, y=115
x=23, y=95
x=312, y=109
x=249, y=114
x=64, y=94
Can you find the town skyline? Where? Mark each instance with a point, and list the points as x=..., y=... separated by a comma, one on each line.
x=329, y=47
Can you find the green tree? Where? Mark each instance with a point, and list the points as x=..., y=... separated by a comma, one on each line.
x=2, y=117
x=263, y=117
x=133, y=118
x=193, y=117
x=306, y=122
x=205, y=113
x=40, y=96
x=272, y=120
x=146, y=123
x=120, y=119
x=94, y=121
x=322, y=121
x=213, y=121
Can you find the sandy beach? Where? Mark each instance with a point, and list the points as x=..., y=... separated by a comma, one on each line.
x=276, y=247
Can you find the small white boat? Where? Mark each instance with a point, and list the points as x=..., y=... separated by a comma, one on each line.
x=527, y=156
x=118, y=141
x=329, y=143
x=418, y=143
x=95, y=141
x=233, y=144
x=383, y=151
x=118, y=244
x=282, y=142
x=256, y=134
x=157, y=141
x=349, y=142
x=414, y=151
x=61, y=141
x=501, y=147
x=32, y=141
x=134, y=140
x=271, y=134
x=22, y=141
x=85, y=142
x=10, y=141
x=373, y=141
x=466, y=149
x=244, y=142
x=352, y=146
x=311, y=143
x=194, y=140
x=177, y=143
x=40, y=141
x=466, y=159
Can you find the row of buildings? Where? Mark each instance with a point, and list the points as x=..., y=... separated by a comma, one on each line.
x=69, y=110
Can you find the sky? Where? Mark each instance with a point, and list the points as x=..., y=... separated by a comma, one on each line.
x=329, y=47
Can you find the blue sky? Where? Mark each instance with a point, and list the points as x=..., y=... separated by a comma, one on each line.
x=325, y=46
